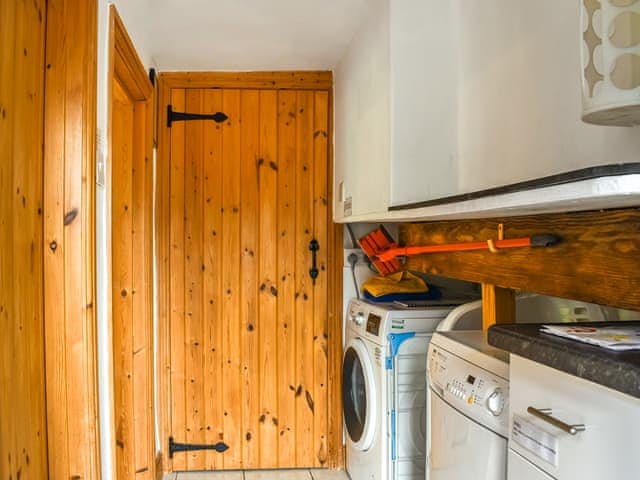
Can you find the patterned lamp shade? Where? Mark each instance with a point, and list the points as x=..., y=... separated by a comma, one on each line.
x=611, y=62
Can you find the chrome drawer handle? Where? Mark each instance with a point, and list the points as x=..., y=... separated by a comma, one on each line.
x=544, y=414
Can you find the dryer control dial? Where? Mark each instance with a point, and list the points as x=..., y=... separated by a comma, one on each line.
x=495, y=402
x=358, y=318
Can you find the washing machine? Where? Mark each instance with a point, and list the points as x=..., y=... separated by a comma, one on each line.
x=384, y=388
x=467, y=408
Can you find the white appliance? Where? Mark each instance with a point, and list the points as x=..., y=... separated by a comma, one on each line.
x=467, y=408
x=384, y=386
x=586, y=431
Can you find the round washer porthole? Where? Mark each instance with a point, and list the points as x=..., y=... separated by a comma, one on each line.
x=358, y=395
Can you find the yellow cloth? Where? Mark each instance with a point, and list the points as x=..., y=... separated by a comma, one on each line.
x=399, y=282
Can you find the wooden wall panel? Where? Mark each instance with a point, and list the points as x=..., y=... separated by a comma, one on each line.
x=69, y=226
x=249, y=242
x=176, y=277
x=597, y=260
x=230, y=296
x=193, y=325
x=289, y=388
x=22, y=384
x=212, y=280
x=321, y=298
x=267, y=275
x=249, y=344
x=304, y=289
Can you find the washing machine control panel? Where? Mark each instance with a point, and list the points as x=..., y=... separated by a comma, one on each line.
x=472, y=390
x=375, y=322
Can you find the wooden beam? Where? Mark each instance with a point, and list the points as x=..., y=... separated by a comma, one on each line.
x=498, y=305
x=299, y=80
x=597, y=260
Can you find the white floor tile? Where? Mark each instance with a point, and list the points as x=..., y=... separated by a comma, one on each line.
x=322, y=474
x=313, y=474
x=226, y=475
x=277, y=475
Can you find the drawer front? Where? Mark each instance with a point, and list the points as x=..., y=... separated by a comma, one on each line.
x=611, y=423
x=519, y=468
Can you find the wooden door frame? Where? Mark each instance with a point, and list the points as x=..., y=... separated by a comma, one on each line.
x=125, y=67
x=290, y=80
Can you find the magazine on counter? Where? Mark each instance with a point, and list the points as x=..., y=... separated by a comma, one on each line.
x=612, y=337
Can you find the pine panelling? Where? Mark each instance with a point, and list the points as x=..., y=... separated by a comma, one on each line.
x=305, y=291
x=597, y=260
x=320, y=297
x=248, y=334
x=250, y=146
x=193, y=325
x=69, y=225
x=267, y=276
x=289, y=389
x=22, y=385
x=212, y=281
x=176, y=277
x=231, y=295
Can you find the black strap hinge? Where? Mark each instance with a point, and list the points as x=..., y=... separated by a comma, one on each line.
x=172, y=116
x=188, y=447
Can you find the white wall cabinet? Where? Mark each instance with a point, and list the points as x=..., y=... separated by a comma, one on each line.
x=361, y=179
x=440, y=99
x=395, y=109
x=423, y=128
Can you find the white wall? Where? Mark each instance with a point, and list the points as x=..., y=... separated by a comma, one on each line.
x=520, y=96
x=103, y=233
x=362, y=116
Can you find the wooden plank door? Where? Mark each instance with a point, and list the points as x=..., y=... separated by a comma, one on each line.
x=248, y=326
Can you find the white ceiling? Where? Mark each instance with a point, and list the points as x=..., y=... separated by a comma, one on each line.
x=243, y=34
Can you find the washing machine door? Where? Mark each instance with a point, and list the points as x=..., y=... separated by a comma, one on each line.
x=359, y=395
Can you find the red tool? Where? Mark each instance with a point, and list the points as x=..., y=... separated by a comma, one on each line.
x=379, y=241
x=385, y=255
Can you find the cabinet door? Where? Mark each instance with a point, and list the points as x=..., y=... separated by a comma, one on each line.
x=611, y=421
x=361, y=169
x=520, y=469
x=423, y=64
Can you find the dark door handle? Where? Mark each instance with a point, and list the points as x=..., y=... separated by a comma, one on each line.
x=314, y=246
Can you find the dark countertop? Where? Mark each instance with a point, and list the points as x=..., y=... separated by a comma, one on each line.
x=616, y=370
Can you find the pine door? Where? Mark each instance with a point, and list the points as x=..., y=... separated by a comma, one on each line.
x=248, y=325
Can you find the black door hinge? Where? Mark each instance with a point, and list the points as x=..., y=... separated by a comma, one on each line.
x=188, y=447
x=172, y=116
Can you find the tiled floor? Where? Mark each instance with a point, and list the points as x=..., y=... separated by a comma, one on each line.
x=314, y=474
